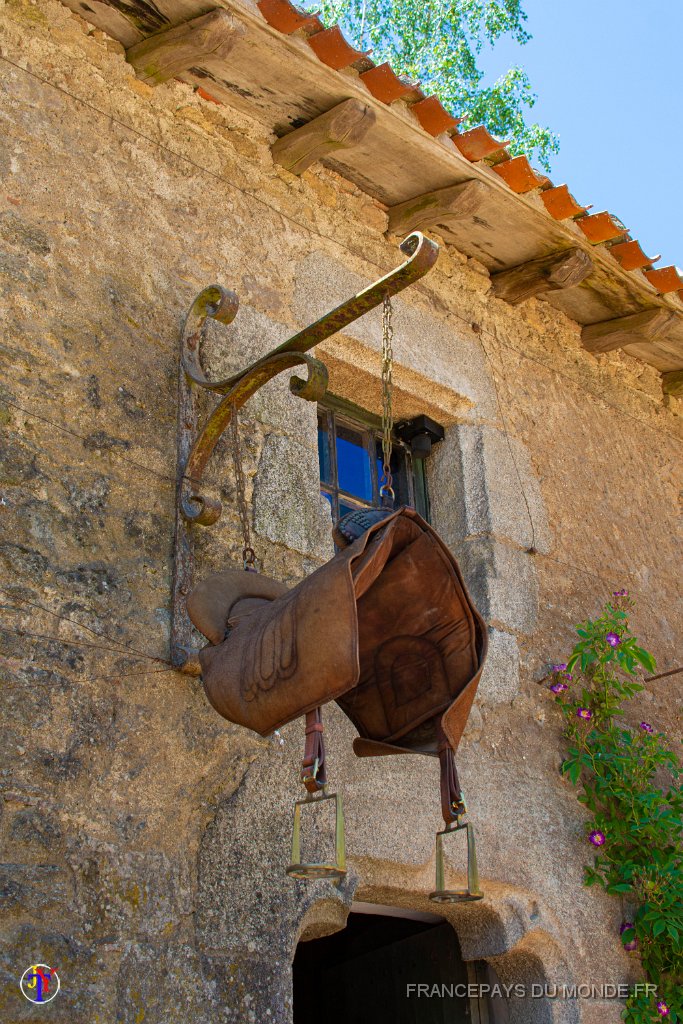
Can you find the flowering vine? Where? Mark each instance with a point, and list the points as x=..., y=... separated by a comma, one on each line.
x=628, y=780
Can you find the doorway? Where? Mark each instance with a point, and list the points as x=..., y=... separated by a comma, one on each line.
x=370, y=971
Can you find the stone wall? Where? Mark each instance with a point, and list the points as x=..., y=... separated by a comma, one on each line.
x=144, y=838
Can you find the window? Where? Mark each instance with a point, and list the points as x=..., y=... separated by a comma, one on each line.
x=350, y=454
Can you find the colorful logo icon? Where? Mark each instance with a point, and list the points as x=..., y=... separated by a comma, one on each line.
x=39, y=983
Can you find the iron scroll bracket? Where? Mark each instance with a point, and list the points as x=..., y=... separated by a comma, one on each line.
x=195, y=445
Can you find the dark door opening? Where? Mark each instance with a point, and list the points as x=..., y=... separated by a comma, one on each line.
x=365, y=973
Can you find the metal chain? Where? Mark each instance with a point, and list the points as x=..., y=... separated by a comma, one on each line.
x=248, y=553
x=386, y=490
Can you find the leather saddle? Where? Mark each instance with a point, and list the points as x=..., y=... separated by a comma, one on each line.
x=386, y=628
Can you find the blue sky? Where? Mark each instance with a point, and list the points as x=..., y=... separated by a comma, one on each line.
x=609, y=79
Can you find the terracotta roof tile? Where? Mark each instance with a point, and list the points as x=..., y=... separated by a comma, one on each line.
x=560, y=203
x=287, y=18
x=387, y=86
x=477, y=144
x=631, y=256
x=601, y=227
x=665, y=280
x=520, y=175
x=207, y=96
x=433, y=117
x=332, y=49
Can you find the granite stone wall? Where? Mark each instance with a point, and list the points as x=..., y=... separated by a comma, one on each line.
x=143, y=838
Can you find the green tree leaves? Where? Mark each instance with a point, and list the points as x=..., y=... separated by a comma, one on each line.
x=436, y=43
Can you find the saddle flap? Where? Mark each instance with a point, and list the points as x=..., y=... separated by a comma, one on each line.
x=286, y=656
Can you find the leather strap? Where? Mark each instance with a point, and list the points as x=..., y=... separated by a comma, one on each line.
x=314, y=750
x=452, y=803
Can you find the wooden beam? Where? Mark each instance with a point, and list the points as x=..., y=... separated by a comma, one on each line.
x=626, y=330
x=442, y=206
x=200, y=42
x=342, y=127
x=551, y=273
x=672, y=383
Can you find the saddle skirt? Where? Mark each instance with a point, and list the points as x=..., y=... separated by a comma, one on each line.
x=386, y=628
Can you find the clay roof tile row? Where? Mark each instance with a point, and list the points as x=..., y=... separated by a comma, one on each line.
x=476, y=144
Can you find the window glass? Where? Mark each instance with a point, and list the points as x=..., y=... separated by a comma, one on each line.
x=350, y=454
x=353, y=463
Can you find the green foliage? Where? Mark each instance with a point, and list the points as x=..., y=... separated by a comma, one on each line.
x=437, y=42
x=628, y=780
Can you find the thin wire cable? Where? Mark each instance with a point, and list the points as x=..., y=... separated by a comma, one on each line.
x=83, y=437
x=81, y=643
x=65, y=618
x=312, y=231
x=138, y=672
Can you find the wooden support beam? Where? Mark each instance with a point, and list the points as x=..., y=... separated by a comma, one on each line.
x=672, y=383
x=442, y=206
x=342, y=127
x=200, y=42
x=626, y=330
x=551, y=273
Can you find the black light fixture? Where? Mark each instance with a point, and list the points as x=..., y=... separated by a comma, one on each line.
x=420, y=434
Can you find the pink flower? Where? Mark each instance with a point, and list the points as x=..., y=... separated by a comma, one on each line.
x=662, y=1009
x=585, y=714
x=597, y=838
x=632, y=945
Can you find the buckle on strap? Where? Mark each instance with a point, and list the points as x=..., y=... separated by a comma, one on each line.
x=313, y=771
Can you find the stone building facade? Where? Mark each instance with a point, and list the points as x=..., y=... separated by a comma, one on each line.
x=144, y=838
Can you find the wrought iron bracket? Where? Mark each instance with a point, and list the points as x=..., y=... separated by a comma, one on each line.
x=195, y=445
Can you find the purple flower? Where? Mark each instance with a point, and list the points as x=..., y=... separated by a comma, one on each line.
x=620, y=593
x=558, y=668
x=613, y=639
x=597, y=838
x=559, y=687
x=662, y=1009
x=633, y=943
x=568, y=675
x=646, y=727
x=584, y=713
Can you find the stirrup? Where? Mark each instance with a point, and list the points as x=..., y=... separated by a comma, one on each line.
x=314, y=778
x=443, y=895
x=301, y=869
